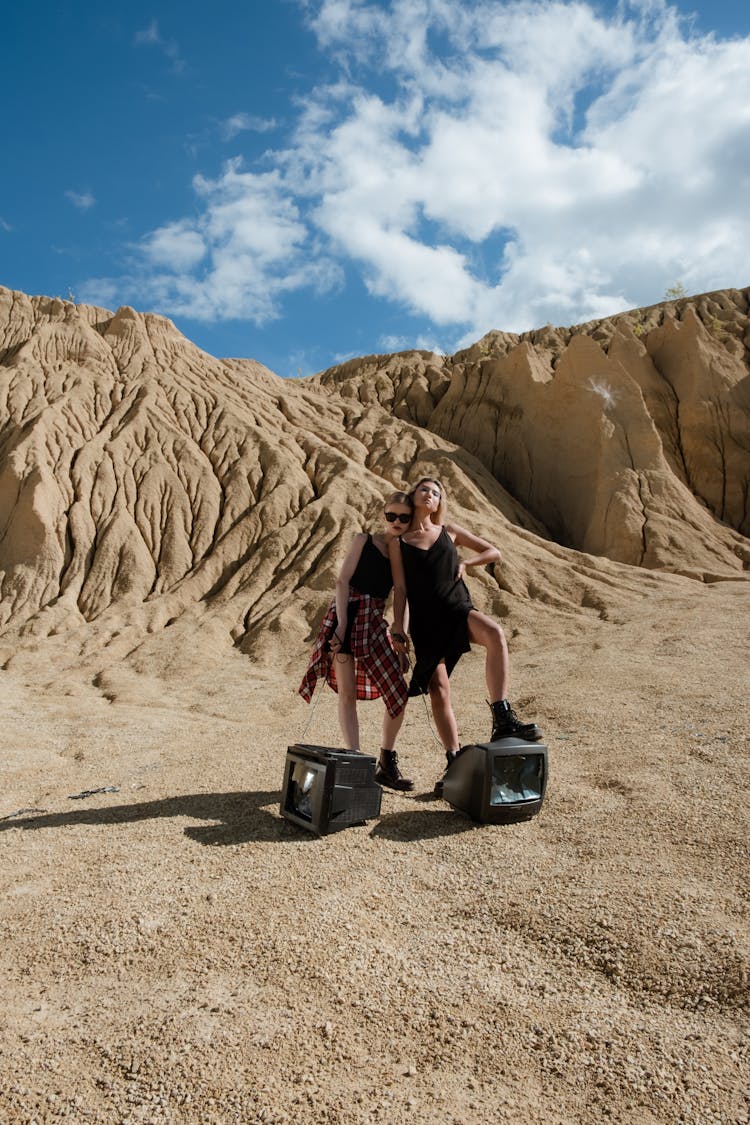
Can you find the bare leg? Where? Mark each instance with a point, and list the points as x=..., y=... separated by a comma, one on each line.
x=442, y=710
x=486, y=632
x=347, y=701
x=391, y=727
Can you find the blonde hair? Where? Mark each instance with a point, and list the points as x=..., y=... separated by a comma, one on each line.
x=399, y=498
x=441, y=514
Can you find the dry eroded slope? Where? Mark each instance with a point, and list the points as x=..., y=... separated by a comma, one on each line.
x=627, y=437
x=145, y=484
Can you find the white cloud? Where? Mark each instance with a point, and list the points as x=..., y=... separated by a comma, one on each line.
x=244, y=123
x=236, y=260
x=612, y=151
x=83, y=200
x=101, y=291
x=151, y=37
x=388, y=344
x=394, y=343
x=484, y=165
x=176, y=246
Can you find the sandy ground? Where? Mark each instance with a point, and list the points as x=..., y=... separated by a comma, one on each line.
x=177, y=952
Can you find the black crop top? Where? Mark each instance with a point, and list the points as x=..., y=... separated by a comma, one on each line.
x=373, y=572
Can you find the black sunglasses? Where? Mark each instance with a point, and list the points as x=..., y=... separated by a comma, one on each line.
x=393, y=516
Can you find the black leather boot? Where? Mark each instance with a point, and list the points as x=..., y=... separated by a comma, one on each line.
x=450, y=757
x=506, y=724
x=388, y=773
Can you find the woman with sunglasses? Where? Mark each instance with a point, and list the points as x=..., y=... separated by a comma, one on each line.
x=443, y=621
x=353, y=650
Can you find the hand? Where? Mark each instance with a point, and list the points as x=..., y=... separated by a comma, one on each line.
x=400, y=642
x=461, y=571
x=401, y=646
x=335, y=642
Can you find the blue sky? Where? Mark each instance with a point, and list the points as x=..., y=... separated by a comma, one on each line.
x=301, y=181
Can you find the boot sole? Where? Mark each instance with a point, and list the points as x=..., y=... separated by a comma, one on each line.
x=388, y=784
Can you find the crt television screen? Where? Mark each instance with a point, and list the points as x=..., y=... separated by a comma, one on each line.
x=520, y=778
x=326, y=789
x=498, y=782
x=302, y=800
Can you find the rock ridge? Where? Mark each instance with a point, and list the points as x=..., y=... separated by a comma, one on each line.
x=627, y=437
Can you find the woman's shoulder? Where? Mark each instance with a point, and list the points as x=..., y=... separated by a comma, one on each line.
x=455, y=530
x=357, y=544
x=378, y=541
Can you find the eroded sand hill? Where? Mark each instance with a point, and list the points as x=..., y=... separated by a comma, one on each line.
x=170, y=528
x=624, y=437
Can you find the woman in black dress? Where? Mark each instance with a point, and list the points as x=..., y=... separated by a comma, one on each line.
x=353, y=650
x=442, y=620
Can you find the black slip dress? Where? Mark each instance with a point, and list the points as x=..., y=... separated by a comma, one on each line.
x=372, y=575
x=439, y=608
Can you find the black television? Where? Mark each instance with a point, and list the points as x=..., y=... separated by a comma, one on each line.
x=498, y=782
x=325, y=790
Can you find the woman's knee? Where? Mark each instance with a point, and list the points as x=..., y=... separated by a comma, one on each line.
x=498, y=636
x=440, y=690
x=484, y=631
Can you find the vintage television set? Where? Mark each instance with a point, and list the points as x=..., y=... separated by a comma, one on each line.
x=326, y=789
x=498, y=782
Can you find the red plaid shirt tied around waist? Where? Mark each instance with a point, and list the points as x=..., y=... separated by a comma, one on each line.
x=377, y=671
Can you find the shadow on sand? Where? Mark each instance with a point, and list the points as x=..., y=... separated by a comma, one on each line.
x=242, y=816
x=423, y=824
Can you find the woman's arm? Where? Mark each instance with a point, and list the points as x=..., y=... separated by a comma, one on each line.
x=400, y=606
x=348, y=567
x=484, y=552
